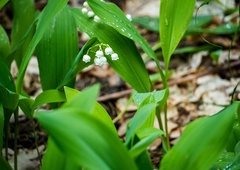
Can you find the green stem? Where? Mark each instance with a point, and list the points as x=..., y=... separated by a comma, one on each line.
x=6, y=129
x=119, y=116
x=35, y=138
x=166, y=127
x=15, y=138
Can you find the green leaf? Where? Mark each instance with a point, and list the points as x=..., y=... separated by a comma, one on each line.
x=24, y=15
x=4, y=164
x=157, y=96
x=90, y=144
x=99, y=112
x=78, y=65
x=197, y=23
x=18, y=52
x=151, y=23
x=174, y=20
x=8, y=98
x=202, y=141
x=1, y=125
x=6, y=79
x=52, y=9
x=111, y=15
x=225, y=29
x=57, y=49
x=135, y=74
x=89, y=93
x=55, y=159
x=147, y=136
x=25, y=104
x=49, y=96
x=2, y=3
x=5, y=47
x=143, y=118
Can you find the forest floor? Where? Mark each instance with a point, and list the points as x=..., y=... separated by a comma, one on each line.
x=199, y=85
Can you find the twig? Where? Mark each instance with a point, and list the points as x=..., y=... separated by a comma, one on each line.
x=172, y=82
x=114, y=95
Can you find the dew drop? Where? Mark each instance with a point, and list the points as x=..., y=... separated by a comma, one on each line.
x=166, y=22
x=10, y=78
x=228, y=26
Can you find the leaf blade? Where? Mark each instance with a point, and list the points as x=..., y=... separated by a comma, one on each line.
x=175, y=17
x=138, y=78
x=212, y=131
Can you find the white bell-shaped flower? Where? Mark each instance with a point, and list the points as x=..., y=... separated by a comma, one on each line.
x=108, y=50
x=96, y=18
x=103, y=60
x=114, y=56
x=99, y=53
x=85, y=4
x=97, y=61
x=86, y=58
x=84, y=10
x=90, y=14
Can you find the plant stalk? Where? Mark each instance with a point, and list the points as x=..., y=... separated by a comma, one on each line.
x=15, y=138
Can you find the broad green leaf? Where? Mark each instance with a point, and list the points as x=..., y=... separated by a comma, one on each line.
x=8, y=98
x=55, y=159
x=225, y=29
x=157, y=95
x=52, y=9
x=90, y=144
x=197, y=24
x=99, y=112
x=4, y=164
x=151, y=23
x=1, y=125
x=6, y=79
x=2, y=3
x=228, y=160
x=111, y=15
x=78, y=64
x=70, y=92
x=135, y=74
x=143, y=118
x=202, y=141
x=147, y=136
x=175, y=16
x=49, y=96
x=224, y=160
x=5, y=44
x=18, y=52
x=25, y=103
x=57, y=49
x=79, y=99
x=24, y=15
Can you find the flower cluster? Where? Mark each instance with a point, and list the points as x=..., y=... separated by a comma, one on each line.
x=90, y=14
x=100, y=55
x=87, y=10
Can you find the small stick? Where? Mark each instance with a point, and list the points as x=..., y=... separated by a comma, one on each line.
x=172, y=82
